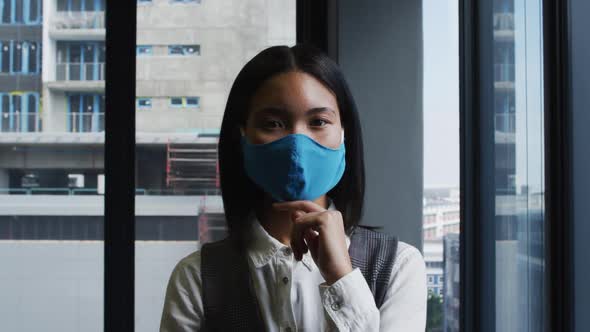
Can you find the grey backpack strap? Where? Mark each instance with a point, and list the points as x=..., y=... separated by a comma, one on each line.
x=374, y=254
x=228, y=297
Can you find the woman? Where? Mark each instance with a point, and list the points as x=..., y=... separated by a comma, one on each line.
x=292, y=182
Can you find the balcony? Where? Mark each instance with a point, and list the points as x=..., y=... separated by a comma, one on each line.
x=504, y=72
x=504, y=27
x=87, y=25
x=19, y=123
x=86, y=122
x=76, y=71
x=80, y=77
x=504, y=21
x=506, y=122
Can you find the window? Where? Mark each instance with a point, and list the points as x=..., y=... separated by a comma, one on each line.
x=144, y=102
x=518, y=174
x=80, y=61
x=51, y=163
x=192, y=101
x=144, y=50
x=85, y=113
x=177, y=102
x=19, y=57
x=80, y=5
x=184, y=101
x=21, y=12
x=441, y=207
x=184, y=49
x=20, y=112
x=176, y=163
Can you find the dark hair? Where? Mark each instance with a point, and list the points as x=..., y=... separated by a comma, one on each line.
x=239, y=193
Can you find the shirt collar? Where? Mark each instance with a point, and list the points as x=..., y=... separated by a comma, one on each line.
x=262, y=246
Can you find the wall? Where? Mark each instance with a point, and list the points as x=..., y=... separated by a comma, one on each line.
x=580, y=103
x=380, y=51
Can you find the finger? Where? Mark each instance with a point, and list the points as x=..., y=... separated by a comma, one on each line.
x=311, y=239
x=300, y=225
x=307, y=206
x=294, y=243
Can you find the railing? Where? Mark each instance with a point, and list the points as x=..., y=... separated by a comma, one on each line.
x=76, y=71
x=13, y=122
x=504, y=21
x=506, y=122
x=94, y=191
x=79, y=20
x=86, y=122
x=504, y=72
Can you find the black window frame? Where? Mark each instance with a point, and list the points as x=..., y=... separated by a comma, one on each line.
x=476, y=154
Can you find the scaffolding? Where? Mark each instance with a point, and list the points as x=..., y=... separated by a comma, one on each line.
x=193, y=169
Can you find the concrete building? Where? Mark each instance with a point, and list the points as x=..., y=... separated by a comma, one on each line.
x=52, y=155
x=433, y=258
x=440, y=214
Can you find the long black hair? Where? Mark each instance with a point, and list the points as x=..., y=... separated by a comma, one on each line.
x=240, y=195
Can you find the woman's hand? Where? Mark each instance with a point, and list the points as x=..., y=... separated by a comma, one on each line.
x=323, y=230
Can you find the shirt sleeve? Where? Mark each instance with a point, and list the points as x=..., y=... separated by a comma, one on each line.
x=183, y=305
x=404, y=306
x=351, y=305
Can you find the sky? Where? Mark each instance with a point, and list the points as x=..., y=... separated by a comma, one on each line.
x=441, y=93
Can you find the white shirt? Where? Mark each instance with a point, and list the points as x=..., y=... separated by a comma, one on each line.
x=293, y=296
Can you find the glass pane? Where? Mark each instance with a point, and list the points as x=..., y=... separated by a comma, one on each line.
x=7, y=12
x=519, y=166
x=441, y=218
x=33, y=60
x=17, y=56
x=178, y=202
x=5, y=56
x=51, y=181
x=33, y=10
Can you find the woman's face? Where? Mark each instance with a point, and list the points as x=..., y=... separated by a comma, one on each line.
x=294, y=102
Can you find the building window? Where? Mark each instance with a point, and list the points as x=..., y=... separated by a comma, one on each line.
x=144, y=102
x=184, y=49
x=20, y=12
x=144, y=50
x=80, y=5
x=85, y=113
x=80, y=61
x=19, y=112
x=184, y=101
x=19, y=57
x=192, y=101
x=176, y=102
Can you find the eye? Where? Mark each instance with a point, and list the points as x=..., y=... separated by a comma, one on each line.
x=319, y=122
x=271, y=123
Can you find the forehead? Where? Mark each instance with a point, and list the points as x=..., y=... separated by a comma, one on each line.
x=294, y=91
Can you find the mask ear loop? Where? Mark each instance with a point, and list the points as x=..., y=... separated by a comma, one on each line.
x=342, y=139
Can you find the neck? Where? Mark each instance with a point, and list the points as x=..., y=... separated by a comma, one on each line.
x=279, y=223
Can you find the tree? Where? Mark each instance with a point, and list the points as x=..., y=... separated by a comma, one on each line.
x=434, y=309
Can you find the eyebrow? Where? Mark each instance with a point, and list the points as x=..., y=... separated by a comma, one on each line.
x=280, y=111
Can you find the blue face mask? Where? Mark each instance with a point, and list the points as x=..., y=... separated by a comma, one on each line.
x=294, y=167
